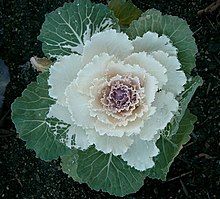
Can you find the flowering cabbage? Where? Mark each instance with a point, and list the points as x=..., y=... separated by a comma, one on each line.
x=118, y=94
x=114, y=104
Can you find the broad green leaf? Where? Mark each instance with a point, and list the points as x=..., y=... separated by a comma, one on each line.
x=66, y=29
x=184, y=100
x=176, y=133
x=69, y=165
x=108, y=173
x=29, y=116
x=175, y=28
x=125, y=11
x=170, y=146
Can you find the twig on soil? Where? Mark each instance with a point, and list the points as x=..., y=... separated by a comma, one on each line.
x=6, y=133
x=208, y=195
x=206, y=156
x=3, y=117
x=17, y=179
x=184, y=188
x=208, y=89
x=216, y=58
x=211, y=8
x=180, y=176
x=189, y=144
x=211, y=23
x=197, y=30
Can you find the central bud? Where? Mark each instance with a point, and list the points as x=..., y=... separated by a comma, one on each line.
x=119, y=94
x=122, y=94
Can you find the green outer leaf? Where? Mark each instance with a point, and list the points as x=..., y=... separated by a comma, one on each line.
x=64, y=28
x=125, y=11
x=175, y=28
x=29, y=116
x=108, y=173
x=170, y=147
x=185, y=98
x=176, y=133
x=69, y=165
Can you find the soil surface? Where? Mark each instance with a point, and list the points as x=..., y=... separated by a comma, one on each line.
x=195, y=173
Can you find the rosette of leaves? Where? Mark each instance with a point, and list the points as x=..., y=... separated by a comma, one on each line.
x=66, y=33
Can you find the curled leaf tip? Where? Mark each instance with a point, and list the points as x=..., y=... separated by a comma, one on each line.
x=40, y=64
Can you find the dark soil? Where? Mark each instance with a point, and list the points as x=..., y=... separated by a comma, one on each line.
x=195, y=173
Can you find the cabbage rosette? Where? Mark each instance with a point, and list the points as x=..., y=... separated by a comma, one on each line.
x=113, y=106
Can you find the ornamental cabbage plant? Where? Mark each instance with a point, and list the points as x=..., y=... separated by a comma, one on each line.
x=113, y=106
